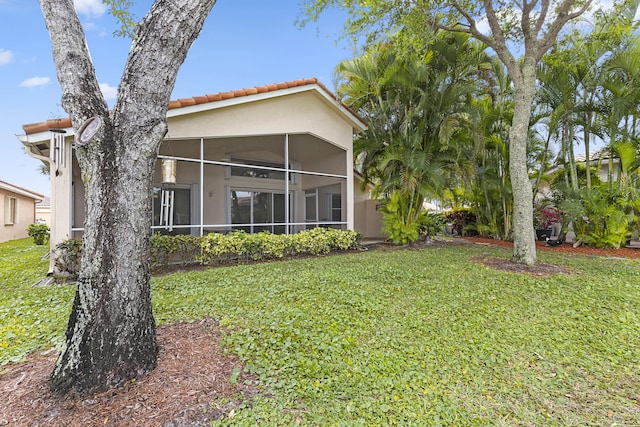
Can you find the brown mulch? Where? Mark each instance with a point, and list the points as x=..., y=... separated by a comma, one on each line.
x=191, y=376
x=565, y=248
x=542, y=268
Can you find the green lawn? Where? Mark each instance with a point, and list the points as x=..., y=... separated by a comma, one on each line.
x=406, y=337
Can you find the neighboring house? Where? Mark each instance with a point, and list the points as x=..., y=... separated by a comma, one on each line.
x=599, y=159
x=43, y=211
x=19, y=210
x=277, y=158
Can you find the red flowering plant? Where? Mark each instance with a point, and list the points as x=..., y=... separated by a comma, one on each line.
x=544, y=218
x=463, y=221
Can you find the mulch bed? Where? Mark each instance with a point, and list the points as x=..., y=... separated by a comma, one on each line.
x=565, y=248
x=540, y=269
x=543, y=269
x=192, y=373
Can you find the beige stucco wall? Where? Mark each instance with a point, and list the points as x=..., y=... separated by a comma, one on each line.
x=43, y=213
x=305, y=112
x=26, y=215
x=368, y=220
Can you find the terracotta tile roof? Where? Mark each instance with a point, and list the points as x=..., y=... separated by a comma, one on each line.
x=44, y=126
x=595, y=155
x=196, y=100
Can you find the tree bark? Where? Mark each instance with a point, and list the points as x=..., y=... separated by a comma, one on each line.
x=539, y=30
x=524, y=245
x=111, y=337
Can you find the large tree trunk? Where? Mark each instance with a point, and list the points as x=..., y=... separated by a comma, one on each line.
x=111, y=336
x=111, y=333
x=524, y=243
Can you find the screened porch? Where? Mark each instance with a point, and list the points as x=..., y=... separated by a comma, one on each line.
x=281, y=183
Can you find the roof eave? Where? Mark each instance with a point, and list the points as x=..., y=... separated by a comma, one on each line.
x=22, y=191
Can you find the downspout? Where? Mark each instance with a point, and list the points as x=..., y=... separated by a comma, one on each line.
x=28, y=148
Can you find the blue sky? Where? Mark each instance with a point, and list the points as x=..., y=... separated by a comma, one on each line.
x=244, y=43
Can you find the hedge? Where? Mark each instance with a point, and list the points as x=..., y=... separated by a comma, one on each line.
x=167, y=252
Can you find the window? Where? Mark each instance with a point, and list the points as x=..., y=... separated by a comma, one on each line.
x=255, y=211
x=311, y=207
x=10, y=210
x=335, y=207
x=258, y=172
x=323, y=206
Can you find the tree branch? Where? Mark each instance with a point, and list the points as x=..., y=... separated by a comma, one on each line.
x=159, y=47
x=549, y=38
x=527, y=8
x=499, y=42
x=494, y=24
x=544, y=10
x=81, y=95
x=525, y=24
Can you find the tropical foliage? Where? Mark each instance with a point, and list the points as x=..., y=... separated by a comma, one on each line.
x=440, y=114
x=421, y=112
x=588, y=92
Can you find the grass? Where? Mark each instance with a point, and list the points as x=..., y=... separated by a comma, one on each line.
x=406, y=337
x=30, y=318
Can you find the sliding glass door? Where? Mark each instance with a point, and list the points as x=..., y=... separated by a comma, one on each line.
x=255, y=211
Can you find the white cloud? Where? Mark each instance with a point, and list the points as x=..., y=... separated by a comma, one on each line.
x=6, y=56
x=483, y=25
x=109, y=92
x=90, y=26
x=35, y=81
x=93, y=8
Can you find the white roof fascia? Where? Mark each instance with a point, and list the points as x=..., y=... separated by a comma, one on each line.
x=39, y=137
x=8, y=187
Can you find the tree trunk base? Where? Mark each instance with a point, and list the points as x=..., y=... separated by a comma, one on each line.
x=102, y=353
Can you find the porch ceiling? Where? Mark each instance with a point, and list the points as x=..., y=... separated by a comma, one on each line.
x=302, y=148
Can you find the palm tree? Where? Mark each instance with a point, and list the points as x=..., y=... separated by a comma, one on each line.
x=492, y=189
x=418, y=107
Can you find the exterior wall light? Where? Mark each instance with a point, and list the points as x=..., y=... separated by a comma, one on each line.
x=169, y=171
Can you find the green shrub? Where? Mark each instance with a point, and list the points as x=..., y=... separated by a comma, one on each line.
x=399, y=232
x=599, y=216
x=239, y=246
x=216, y=248
x=400, y=221
x=39, y=232
x=431, y=223
x=167, y=251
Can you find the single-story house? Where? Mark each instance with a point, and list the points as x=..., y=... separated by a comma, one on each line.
x=600, y=160
x=277, y=158
x=19, y=210
x=43, y=211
